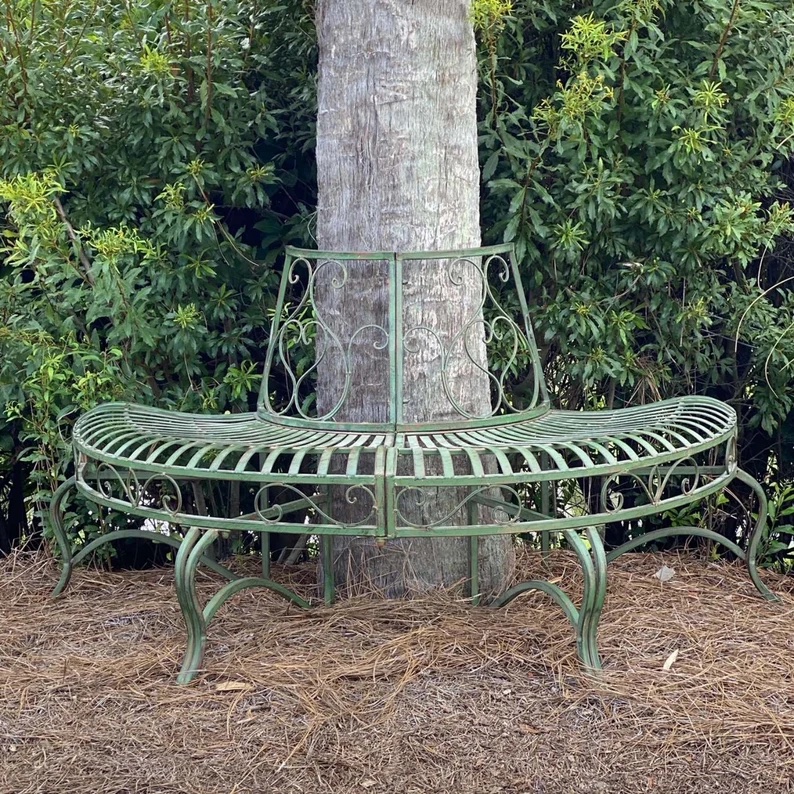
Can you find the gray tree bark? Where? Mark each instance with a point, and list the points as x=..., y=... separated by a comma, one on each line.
x=398, y=170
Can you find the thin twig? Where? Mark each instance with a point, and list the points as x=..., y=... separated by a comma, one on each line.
x=75, y=241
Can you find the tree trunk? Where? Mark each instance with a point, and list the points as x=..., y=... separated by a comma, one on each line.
x=397, y=170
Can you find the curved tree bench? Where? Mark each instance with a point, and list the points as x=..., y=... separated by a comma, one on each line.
x=473, y=471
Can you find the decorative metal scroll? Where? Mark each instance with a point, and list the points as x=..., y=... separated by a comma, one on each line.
x=488, y=335
x=317, y=340
x=653, y=485
x=353, y=495
x=422, y=498
x=306, y=334
x=159, y=492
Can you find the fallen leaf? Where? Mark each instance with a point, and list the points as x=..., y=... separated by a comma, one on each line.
x=665, y=574
x=233, y=686
x=670, y=660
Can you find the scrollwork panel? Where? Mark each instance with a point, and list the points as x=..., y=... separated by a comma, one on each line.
x=158, y=492
x=451, y=355
x=322, y=347
x=427, y=507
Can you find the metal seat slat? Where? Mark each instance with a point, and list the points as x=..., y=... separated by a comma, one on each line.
x=475, y=462
x=221, y=456
x=129, y=442
x=179, y=452
x=325, y=461
x=609, y=458
x=272, y=457
x=241, y=464
x=562, y=464
x=586, y=460
x=630, y=453
x=446, y=462
x=419, y=462
x=352, y=461
x=297, y=460
x=504, y=462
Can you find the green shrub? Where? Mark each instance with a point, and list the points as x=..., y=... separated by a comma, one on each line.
x=152, y=165
x=633, y=151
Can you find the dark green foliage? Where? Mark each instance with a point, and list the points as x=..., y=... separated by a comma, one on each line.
x=637, y=152
x=633, y=151
x=149, y=153
x=152, y=153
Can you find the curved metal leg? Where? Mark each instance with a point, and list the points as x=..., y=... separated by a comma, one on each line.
x=56, y=524
x=756, y=535
x=264, y=549
x=232, y=588
x=154, y=537
x=473, y=518
x=595, y=582
x=749, y=555
x=546, y=507
x=552, y=590
x=599, y=596
x=545, y=545
x=584, y=620
x=669, y=532
x=187, y=560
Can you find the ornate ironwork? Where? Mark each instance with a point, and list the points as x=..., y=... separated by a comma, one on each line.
x=503, y=514
x=134, y=458
x=653, y=485
x=306, y=324
x=273, y=514
x=487, y=323
x=139, y=494
x=488, y=326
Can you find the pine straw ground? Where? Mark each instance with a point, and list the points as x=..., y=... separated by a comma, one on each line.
x=371, y=696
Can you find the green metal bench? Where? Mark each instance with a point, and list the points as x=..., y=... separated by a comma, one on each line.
x=506, y=463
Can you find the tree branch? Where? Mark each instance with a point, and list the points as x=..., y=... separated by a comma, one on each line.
x=75, y=241
x=724, y=38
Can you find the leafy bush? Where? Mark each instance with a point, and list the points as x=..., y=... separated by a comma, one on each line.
x=637, y=152
x=152, y=167
x=633, y=152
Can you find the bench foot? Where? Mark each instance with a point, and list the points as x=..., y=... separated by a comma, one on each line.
x=190, y=554
x=187, y=560
x=232, y=588
x=594, y=567
x=756, y=535
x=56, y=524
x=584, y=620
x=556, y=593
x=69, y=560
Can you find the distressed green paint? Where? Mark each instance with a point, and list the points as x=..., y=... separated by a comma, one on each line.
x=148, y=462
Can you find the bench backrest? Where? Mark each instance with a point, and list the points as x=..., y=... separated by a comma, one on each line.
x=435, y=322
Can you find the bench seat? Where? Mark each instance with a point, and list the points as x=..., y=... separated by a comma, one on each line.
x=558, y=444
